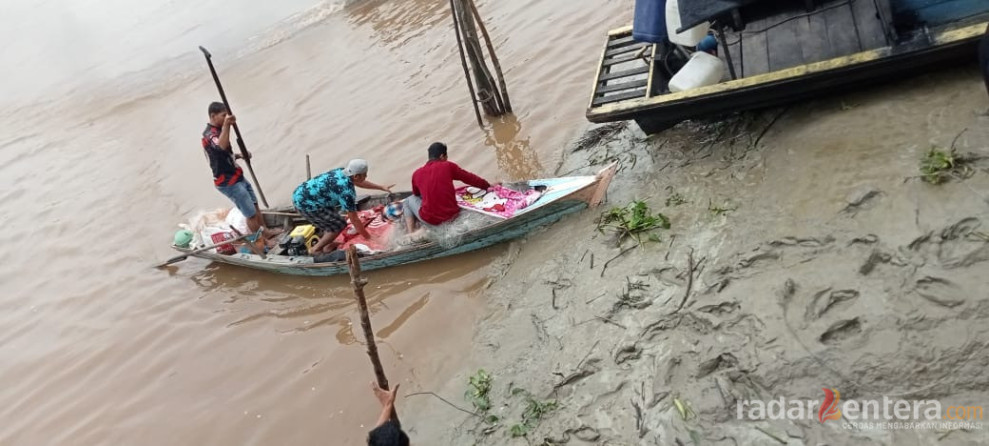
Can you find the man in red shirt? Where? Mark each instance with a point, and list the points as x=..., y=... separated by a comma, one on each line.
x=433, y=200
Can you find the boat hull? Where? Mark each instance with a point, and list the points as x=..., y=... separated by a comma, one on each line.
x=563, y=196
x=501, y=232
x=885, y=64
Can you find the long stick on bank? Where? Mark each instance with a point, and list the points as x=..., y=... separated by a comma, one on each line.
x=463, y=61
x=240, y=139
x=372, y=349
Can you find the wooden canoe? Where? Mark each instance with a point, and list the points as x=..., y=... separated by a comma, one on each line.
x=562, y=196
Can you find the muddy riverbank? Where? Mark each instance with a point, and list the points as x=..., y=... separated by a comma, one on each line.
x=804, y=253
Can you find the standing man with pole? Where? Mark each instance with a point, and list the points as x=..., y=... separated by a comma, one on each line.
x=227, y=176
x=244, y=154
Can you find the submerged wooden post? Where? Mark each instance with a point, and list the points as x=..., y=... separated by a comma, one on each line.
x=463, y=61
x=358, y=283
x=487, y=92
x=494, y=57
x=484, y=88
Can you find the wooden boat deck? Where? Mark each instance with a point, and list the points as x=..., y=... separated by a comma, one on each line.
x=834, y=28
x=782, y=51
x=768, y=41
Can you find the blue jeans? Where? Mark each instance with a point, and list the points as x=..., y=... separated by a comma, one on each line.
x=242, y=194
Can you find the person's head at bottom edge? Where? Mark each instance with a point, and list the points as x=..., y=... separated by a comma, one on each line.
x=388, y=434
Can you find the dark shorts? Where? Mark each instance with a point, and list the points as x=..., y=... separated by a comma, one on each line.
x=327, y=219
x=242, y=194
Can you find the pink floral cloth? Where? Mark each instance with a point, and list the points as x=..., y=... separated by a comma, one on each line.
x=498, y=201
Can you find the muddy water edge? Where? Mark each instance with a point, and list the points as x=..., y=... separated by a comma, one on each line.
x=804, y=253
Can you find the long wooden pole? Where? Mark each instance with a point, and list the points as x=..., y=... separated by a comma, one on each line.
x=182, y=257
x=463, y=62
x=494, y=57
x=358, y=283
x=240, y=140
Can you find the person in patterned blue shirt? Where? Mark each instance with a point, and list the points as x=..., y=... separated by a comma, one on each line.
x=322, y=199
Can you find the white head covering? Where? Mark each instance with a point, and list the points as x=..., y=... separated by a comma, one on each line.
x=356, y=166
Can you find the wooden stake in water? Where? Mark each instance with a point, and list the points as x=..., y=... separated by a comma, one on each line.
x=463, y=61
x=507, y=103
x=372, y=349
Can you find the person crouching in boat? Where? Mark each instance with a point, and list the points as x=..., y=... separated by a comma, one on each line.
x=227, y=176
x=433, y=200
x=322, y=199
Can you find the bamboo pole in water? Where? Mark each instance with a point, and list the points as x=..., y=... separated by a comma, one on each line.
x=484, y=82
x=358, y=283
x=494, y=57
x=463, y=61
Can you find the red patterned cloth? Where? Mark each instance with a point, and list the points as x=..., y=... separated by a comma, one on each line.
x=379, y=228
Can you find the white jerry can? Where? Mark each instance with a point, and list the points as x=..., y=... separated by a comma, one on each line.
x=689, y=37
x=701, y=70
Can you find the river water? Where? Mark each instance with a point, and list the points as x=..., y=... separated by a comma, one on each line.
x=100, y=113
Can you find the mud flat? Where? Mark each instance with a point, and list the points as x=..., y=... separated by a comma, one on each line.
x=804, y=253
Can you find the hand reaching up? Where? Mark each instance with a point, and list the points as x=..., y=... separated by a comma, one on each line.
x=385, y=397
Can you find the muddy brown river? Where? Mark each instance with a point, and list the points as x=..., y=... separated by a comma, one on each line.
x=102, y=106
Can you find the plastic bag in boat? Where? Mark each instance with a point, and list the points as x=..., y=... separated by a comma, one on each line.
x=237, y=219
x=215, y=218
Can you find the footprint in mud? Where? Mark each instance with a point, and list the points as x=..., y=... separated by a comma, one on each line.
x=719, y=285
x=806, y=242
x=957, y=246
x=669, y=276
x=827, y=300
x=722, y=309
x=583, y=433
x=689, y=321
x=771, y=251
x=752, y=260
x=935, y=289
x=861, y=199
x=868, y=239
x=723, y=361
x=628, y=353
x=841, y=330
x=874, y=260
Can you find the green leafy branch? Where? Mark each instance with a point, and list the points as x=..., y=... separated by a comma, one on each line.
x=533, y=413
x=632, y=221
